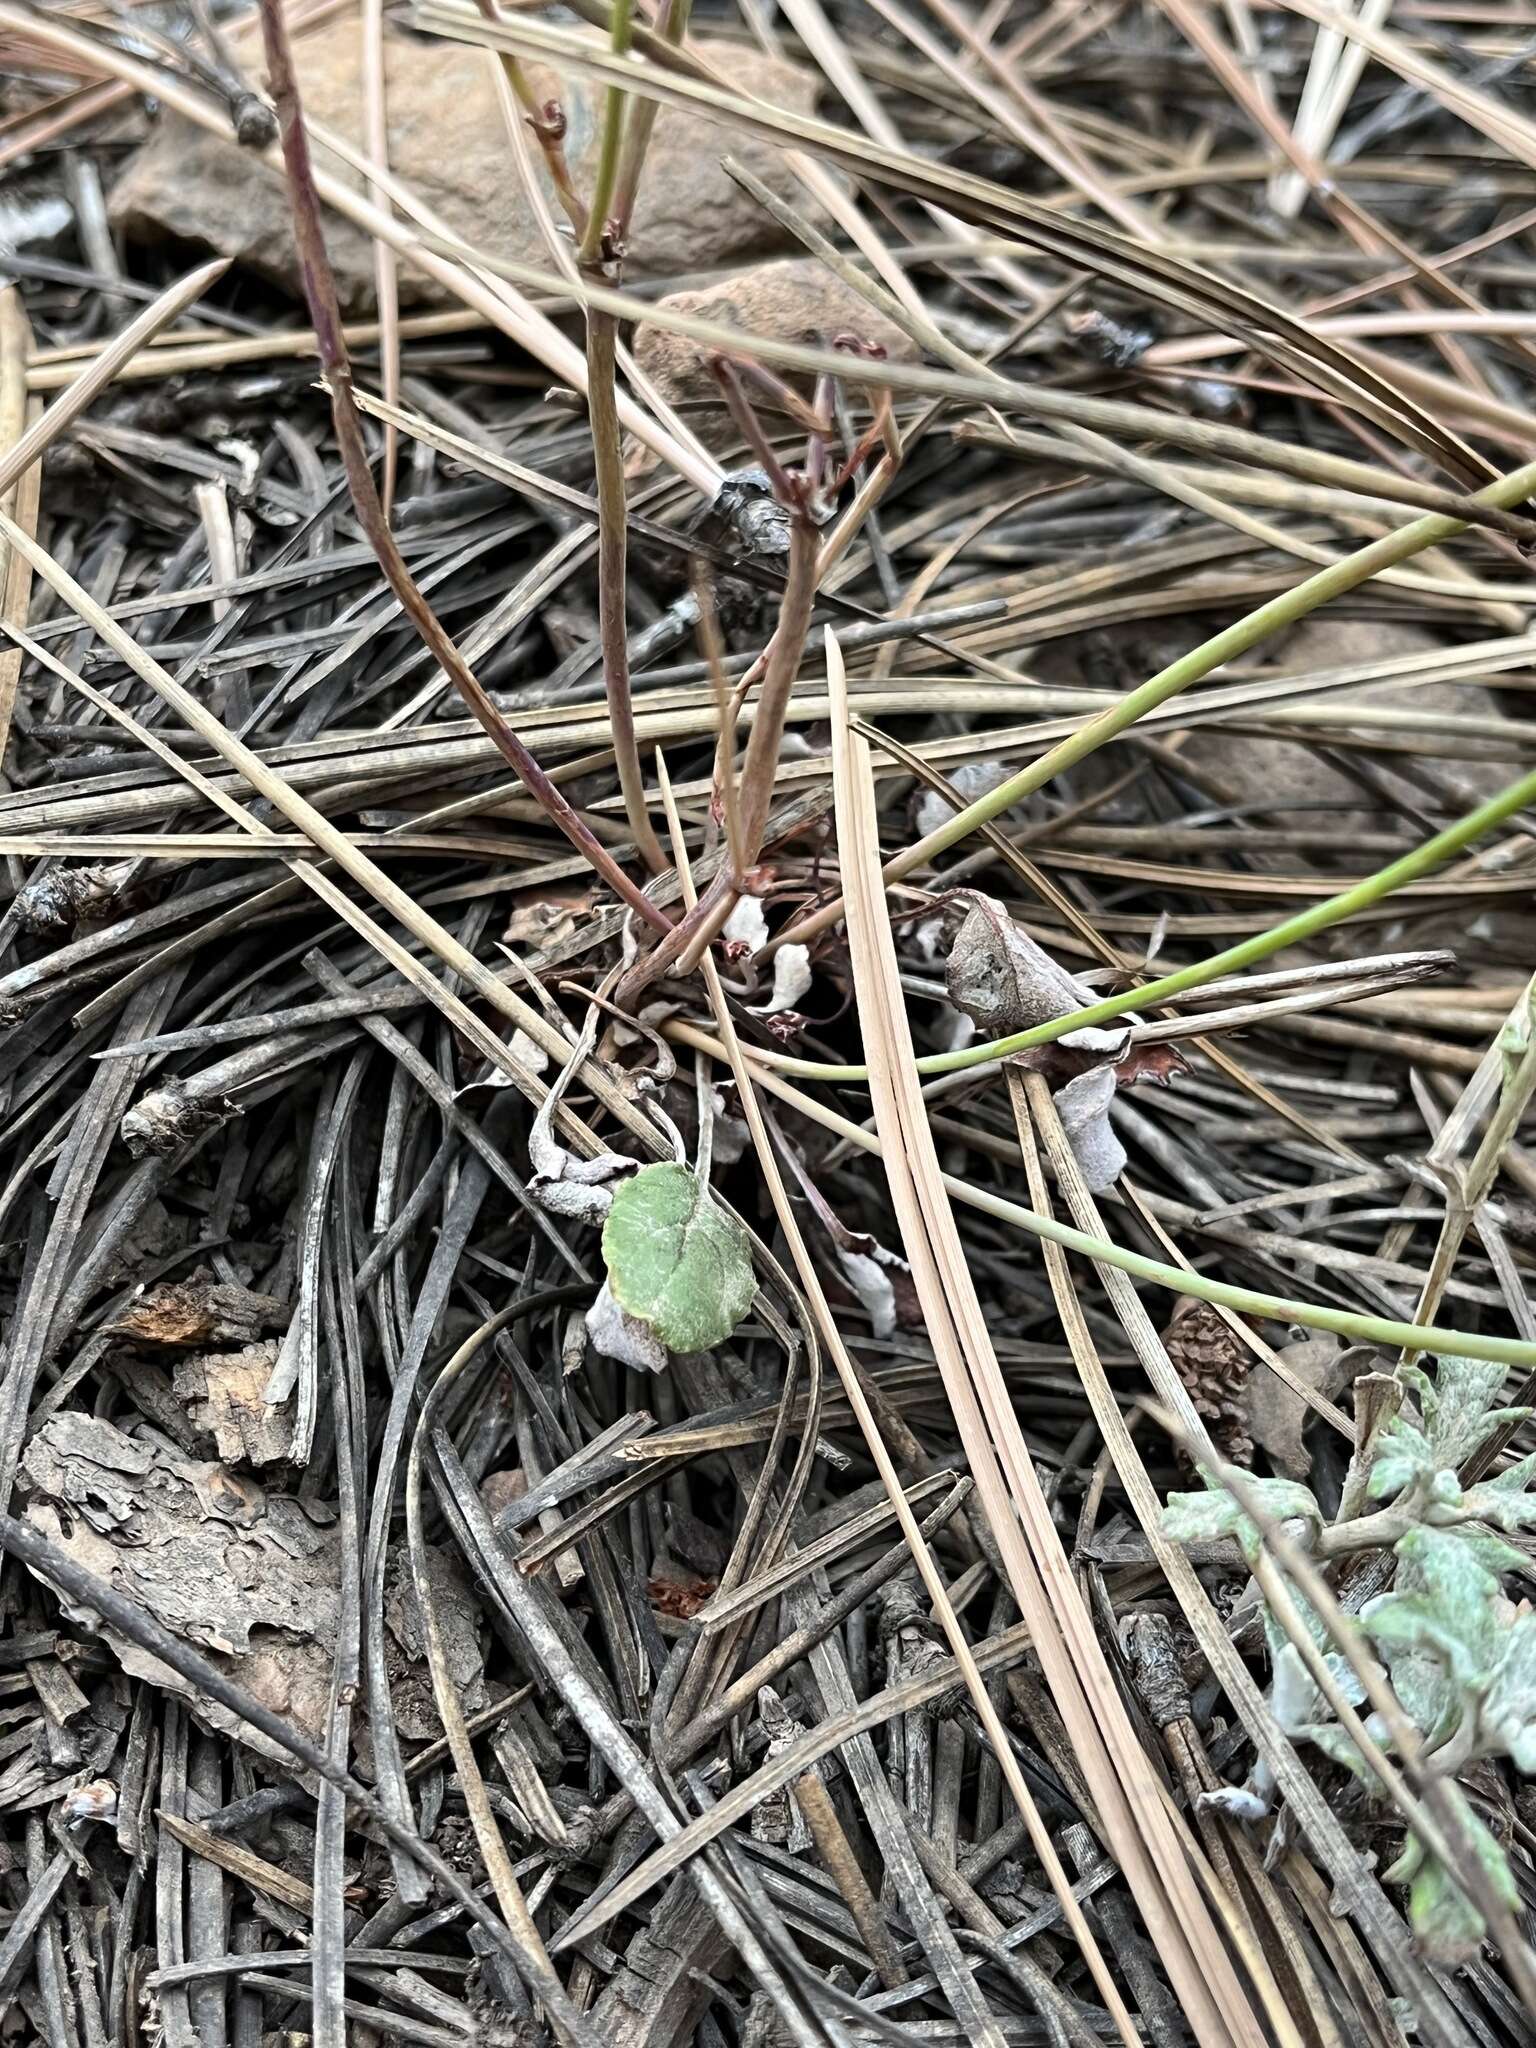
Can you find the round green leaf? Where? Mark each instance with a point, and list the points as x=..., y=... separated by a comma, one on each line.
x=675, y=1258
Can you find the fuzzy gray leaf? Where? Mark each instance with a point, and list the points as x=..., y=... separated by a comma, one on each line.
x=1503, y=1501
x=1403, y=1454
x=1509, y=1712
x=1335, y=1742
x=1458, y=1416
x=1452, y=1614
x=1201, y=1517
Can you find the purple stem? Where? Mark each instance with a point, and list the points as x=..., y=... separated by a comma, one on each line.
x=325, y=313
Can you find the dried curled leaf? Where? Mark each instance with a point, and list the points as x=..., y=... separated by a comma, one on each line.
x=1276, y=1414
x=791, y=981
x=1002, y=980
x=999, y=978
x=676, y=1260
x=562, y=1181
x=1083, y=1106
x=880, y=1278
x=745, y=931
x=614, y=1333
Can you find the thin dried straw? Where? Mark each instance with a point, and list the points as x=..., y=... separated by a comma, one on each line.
x=858, y=1400
x=329, y=839
x=1120, y=1779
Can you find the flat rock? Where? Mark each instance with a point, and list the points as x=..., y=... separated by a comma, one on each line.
x=798, y=300
x=1290, y=771
x=448, y=143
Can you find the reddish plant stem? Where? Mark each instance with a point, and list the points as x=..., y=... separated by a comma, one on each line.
x=601, y=256
x=325, y=313
x=682, y=946
x=547, y=120
x=712, y=643
x=761, y=760
x=799, y=492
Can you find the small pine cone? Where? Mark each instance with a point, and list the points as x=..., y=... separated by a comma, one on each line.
x=1214, y=1366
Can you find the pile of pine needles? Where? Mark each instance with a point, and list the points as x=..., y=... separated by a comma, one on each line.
x=1036, y=829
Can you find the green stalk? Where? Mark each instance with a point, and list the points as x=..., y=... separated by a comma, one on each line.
x=1273, y=617
x=1248, y=1301
x=1409, y=867
x=637, y=130
x=615, y=100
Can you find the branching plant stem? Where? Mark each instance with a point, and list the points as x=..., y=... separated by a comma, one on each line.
x=605, y=184
x=325, y=314
x=760, y=763
x=547, y=121
x=799, y=492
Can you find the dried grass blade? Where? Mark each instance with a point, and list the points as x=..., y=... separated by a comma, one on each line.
x=509, y=1894
x=1116, y=417
x=1120, y=1778
x=858, y=1399
x=21, y=1540
x=1497, y=120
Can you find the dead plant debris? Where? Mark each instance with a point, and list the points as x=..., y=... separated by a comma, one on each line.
x=648, y=673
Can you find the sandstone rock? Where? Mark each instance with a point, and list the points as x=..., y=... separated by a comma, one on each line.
x=1291, y=771
x=448, y=143
x=798, y=300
